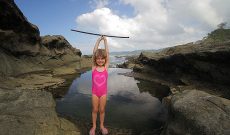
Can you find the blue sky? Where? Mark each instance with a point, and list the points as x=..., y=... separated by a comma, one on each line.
x=150, y=24
x=57, y=17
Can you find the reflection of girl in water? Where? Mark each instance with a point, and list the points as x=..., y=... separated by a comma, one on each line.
x=99, y=84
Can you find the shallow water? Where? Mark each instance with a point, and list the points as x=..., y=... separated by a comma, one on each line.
x=126, y=108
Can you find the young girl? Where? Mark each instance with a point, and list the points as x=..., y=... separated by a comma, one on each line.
x=99, y=84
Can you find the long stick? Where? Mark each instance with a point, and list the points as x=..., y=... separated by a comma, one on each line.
x=97, y=34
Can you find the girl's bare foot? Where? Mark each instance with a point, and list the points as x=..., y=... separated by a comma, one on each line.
x=92, y=131
x=104, y=131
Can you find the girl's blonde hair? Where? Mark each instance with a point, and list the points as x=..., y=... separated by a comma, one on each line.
x=99, y=53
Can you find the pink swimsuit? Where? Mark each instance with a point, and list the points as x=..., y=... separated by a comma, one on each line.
x=99, y=82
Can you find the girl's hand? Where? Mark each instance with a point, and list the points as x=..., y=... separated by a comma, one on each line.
x=100, y=38
x=104, y=38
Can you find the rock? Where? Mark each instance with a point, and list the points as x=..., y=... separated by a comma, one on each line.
x=17, y=35
x=203, y=62
x=130, y=62
x=126, y=65
x=191, y=62
x=194, y=112
x=12, y=66
x=68, y=128
x=61, y=56
x=26, y=112
x=28, y=65
x=155, y=89
x=34, y=81
x=55, y=42
x=22, y=49
x=123, y=65
x=86, y=63
x=138, y=68
x=87, y=56
x=58, y=45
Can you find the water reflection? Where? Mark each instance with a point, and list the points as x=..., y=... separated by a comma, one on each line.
x=154, y=88
x=127, y=107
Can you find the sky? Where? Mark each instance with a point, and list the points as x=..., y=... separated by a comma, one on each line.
x=150, y=24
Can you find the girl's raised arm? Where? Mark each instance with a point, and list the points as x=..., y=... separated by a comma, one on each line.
x=95, y=49
x=107, y=51
x=97, y=44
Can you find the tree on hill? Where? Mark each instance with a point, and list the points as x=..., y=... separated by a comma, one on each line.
x=222, y=25
x=220, y=35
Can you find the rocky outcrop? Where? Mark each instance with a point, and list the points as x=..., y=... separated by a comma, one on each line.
x=29, y=64
x=17, y=35
x=13, y=66
x=42, y=80
x=202, y=63
x=57, y=45
x=194, y=112
x=22, y=50
x=26, y=112
x=129, y=63
x=185, y=69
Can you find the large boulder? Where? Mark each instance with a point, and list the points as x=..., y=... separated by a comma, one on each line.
x=17, y=35
x=57, y=45
x=194, y=112
x=26, y=112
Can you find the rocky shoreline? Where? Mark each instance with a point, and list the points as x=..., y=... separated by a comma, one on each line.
x=198, y=77
x=32, y=69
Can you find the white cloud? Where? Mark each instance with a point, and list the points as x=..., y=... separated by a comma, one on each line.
x=157, y=23
x=196, y=13
x=104, y=21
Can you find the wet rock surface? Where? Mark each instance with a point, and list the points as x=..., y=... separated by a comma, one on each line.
x=30, y=66
x=196, y=112
x=26, y=112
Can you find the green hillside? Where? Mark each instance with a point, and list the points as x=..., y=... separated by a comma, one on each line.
x=217, y=36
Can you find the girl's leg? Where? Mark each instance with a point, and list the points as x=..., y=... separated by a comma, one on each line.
x=102, y=104
x=95, y=105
